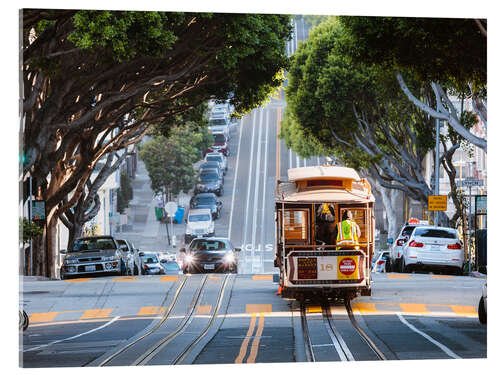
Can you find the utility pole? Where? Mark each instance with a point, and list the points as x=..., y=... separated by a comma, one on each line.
x=436, y=170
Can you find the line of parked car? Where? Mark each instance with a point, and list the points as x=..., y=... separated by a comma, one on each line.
x=108, y=255
x=204, y=252
x=422, y=246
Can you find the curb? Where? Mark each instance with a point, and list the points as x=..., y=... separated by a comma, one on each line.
x=477, y=275
x=36, y=278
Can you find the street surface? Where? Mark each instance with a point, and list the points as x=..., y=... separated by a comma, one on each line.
x=238, y=318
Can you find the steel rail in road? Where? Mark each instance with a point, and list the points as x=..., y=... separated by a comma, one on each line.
x=305, y=334
x=159, y=345
x=362, y=333
x=180, y=358
x=334, y=334
x=153, y=329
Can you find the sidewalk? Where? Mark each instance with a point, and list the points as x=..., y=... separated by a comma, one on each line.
x=143, y=230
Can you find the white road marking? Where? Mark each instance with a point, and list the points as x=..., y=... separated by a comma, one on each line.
x=262, y=214
x=234, y=181
x=249, y=182
x=74, y=337
x=444, y=348
x=256, y=187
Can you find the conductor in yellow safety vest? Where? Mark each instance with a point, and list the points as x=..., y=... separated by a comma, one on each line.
x=347, y=232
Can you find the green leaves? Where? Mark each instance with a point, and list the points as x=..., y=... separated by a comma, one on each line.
x=29, y=230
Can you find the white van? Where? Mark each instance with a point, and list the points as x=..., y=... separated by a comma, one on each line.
x=199, y=224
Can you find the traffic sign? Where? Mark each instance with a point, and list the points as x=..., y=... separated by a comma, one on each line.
x=38, y=210
x=438, y=202
x=481, y=206
x=171, y=208
x=470, y=182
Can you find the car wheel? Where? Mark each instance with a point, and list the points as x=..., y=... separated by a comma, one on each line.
x=482, y=311
x=459, y=271
x=404, y=267
x=136, y=270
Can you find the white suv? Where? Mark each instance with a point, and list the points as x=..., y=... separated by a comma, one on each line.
x=433, y=247
x=400, y=242
x=199, y=224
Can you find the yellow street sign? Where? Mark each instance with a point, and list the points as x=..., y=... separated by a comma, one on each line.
x=438, y=202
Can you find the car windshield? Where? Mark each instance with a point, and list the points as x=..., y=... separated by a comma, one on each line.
x=208, y=245
x=204, y=201
x=218, y=121
x=219, y=138
x=211, y=164
x=214, y=158
x=171, y=266
x=148, y=259
x=199, y=217
x=92, y=244
x=208, y=176
x=435, y=233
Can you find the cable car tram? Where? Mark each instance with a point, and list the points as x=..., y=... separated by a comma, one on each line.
x=307, y=208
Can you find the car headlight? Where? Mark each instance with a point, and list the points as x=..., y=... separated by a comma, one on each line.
x=229, y=258
x=188, y=258
x=70, y=260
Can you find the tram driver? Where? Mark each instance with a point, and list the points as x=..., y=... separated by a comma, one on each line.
x=325, y=219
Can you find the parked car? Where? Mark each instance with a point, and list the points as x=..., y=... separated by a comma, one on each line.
x=207, y=200
x=213, y=165
x=433, y=247
x=199, y=224
x=210, y=255
x=396, y=250
x=482, y=308
x=93, y=255
x=220, y=144
x=218, y=157
x=151, y=263
x=209, y=181
x=220, y=123
x=381, y=262
x=134, y=262
x=170, y=267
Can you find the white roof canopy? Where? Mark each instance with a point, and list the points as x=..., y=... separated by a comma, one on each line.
x=305, y=173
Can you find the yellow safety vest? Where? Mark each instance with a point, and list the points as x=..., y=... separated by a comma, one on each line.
x=346, y=233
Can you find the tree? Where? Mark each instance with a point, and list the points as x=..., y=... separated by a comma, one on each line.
x=169, y=161
x=448, y=53
x=95, y=81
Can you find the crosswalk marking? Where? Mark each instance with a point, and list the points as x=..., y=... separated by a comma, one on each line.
x=151, y=310
x=125, y=278
x=96, y=313
x=204, y=309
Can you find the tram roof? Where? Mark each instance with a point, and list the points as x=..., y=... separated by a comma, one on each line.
x=323, y=172
x=327, y=196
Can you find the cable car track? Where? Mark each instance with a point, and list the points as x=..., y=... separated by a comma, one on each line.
x=153, y=350
x=334, y=334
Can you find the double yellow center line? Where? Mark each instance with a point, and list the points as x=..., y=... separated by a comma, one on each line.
x=256, y=339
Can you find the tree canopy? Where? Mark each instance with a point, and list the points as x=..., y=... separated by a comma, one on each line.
x=358, y=111
x=445, y=50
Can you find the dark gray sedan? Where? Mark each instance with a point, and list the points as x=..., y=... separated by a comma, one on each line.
x=214, y=254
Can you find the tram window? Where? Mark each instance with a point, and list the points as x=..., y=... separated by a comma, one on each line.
x=359, y=216
x=296, y=225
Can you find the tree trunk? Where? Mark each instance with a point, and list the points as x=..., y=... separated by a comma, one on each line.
x=389, y=201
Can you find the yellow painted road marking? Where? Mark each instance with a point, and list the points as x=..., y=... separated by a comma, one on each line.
x=255, y=344
x=418, y=308
x=125, y=278
x=396, y=276
x=151, y=310
x=78, y=280
x=259, y=308
x=364, y=307
x=314, y=309
x=244, y=344
x=43, y=317
x=262, y=277
x=213, y=278
x=169, y=278
x=96, y=313
x=204, y=309
x=463, y=310
x=441, y=277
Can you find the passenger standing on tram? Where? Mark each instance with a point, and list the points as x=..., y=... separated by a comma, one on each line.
x=347, y=232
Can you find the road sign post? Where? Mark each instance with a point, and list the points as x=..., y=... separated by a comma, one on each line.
x=171, y=209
